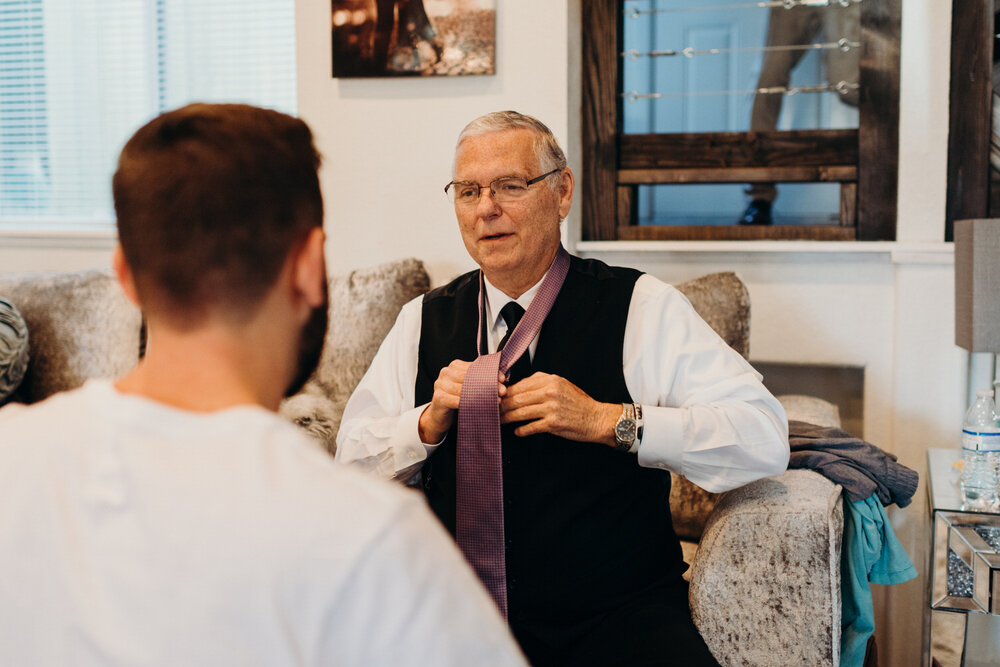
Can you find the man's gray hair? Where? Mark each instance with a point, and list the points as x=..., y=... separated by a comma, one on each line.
x=547, y=149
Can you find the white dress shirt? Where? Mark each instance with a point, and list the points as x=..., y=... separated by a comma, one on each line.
x=707, y=415
x=133, y=533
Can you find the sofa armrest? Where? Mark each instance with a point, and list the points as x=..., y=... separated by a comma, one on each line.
x=765, y=583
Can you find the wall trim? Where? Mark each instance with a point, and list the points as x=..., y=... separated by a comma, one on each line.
x=894, y=252
x=102, y=239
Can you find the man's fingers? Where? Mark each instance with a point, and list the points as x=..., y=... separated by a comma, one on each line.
x=524, y=413
x=546, y=403
x=449, y=380
x=448, y=386
x=445, y=400
x=440, y=415
x=533, y=381
x=532, y=428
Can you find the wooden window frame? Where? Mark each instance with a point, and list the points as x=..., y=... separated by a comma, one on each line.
x=970, y=116
x=864, y=161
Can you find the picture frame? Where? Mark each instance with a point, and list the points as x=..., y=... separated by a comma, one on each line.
x=393, y=38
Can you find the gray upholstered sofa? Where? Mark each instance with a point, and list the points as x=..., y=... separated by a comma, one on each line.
x=765, y=580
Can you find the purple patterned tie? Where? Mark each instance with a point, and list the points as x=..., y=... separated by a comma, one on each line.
x=479, y=470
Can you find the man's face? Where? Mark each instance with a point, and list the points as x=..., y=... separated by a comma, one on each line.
x=514, y=242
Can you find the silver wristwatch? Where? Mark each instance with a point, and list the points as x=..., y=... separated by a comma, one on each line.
x=628, y=429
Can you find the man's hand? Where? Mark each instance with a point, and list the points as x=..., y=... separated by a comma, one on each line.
x=438, y=417
x=551, y=404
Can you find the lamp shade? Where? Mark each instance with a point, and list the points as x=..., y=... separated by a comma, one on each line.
x=977, y=285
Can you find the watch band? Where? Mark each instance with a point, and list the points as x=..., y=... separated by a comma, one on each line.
x=627, y=427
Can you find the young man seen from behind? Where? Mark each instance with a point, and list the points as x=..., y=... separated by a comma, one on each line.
x=171, y=517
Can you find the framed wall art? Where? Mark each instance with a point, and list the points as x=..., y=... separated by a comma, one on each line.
x=387, y=38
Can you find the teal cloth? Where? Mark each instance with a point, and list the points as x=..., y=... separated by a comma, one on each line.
x=871, y=553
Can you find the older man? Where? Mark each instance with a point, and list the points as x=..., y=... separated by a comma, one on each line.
x=621, y=383
x=170, y=517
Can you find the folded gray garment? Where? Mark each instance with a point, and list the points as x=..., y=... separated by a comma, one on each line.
x=858, y=466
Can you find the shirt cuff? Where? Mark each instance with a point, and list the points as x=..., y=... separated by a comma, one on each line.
x=662, y=444
x=407, y=449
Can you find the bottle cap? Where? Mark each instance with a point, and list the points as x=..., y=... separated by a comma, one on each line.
x=980, y=393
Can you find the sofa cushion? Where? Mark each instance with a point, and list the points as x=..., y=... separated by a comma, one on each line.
x=13, y=349
x=81, y=326
x=363, y=307
x=723, y=301
x=810, y=409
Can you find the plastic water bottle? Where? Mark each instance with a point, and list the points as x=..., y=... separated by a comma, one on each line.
x=981, y=454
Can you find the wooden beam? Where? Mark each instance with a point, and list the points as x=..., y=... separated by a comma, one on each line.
x=970, y=102
x=736, y=233
x=627, y=200
x=805, y=148
x=600, y=29
x=848, y=204
x=739, y=175
x=878, y=109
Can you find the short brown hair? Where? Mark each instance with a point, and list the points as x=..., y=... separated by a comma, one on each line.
x=210, y=199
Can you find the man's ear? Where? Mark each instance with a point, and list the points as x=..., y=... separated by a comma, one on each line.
x=124, y=274
x=566, y=184
x=309, y=271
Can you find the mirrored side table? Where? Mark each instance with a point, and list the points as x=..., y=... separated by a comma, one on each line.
x=964, y=563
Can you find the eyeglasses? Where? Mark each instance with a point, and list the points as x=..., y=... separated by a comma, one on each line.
x=502, y=189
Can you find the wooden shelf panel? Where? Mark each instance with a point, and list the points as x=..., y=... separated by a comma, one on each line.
x=717, y=150
x=799, y=174
x=737, y=233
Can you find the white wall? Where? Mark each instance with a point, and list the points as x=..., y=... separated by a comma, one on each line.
x=388, y=143
x=51, y=251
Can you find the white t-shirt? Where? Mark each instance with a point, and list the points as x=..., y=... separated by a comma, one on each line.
x=133, y=533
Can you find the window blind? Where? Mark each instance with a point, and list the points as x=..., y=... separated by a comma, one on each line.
x=78, y=77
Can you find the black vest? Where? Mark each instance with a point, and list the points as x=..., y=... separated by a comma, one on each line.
x=586, y=527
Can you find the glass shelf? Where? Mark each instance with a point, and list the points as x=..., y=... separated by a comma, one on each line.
x=964, y=561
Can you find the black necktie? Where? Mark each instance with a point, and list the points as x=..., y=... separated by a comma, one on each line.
x=511, y=314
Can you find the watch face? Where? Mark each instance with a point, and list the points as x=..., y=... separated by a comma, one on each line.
x=625, y=430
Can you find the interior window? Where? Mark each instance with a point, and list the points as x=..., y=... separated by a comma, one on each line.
x=709, y=119
x=77, y=78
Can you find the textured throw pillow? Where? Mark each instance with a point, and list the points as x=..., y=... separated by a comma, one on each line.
x=81, y=325
x=810, y=409
x=363, y=307
x=722, y=300
x=13, y=349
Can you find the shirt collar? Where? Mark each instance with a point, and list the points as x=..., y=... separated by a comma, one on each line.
x=496, y=299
